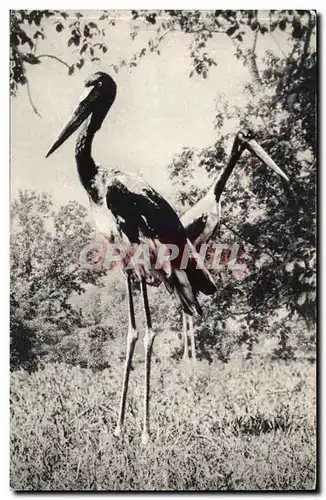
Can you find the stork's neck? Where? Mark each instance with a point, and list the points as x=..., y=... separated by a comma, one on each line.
x=86, y=166
x=222, y=180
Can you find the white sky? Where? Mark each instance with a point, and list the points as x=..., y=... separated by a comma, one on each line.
x=158, y=111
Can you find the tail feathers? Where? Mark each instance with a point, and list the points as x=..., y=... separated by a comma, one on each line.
x=201, y=281
x=198, y=275
x=179, y=284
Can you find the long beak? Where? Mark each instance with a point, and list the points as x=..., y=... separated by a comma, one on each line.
x=83, y=110
x=257, y=150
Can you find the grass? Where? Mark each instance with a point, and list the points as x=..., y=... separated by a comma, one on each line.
x=245, y=425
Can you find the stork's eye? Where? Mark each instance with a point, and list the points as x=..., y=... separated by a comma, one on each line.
x=99, y=83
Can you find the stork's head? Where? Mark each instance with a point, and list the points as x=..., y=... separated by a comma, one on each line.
x=245, y=139
x=244, y=135
x=99, y=95
x=101, y=79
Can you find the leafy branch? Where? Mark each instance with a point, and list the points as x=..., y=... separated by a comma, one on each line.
x=51, y=56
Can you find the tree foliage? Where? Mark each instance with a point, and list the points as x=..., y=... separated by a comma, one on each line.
x=277, y=225
x=88, y=39
x=45, y=272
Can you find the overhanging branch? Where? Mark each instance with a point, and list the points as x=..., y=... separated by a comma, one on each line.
x=50, y=56
x=31, y=100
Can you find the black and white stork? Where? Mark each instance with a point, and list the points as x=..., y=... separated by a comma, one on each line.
x=202, y=220
x=127, y=211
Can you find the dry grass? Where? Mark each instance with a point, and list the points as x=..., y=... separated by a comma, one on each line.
x=238, y=426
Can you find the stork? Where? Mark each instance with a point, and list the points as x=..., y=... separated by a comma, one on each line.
x=202, y=219
x=127, y=211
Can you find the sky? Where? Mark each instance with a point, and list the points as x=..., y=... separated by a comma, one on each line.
x=158, y=111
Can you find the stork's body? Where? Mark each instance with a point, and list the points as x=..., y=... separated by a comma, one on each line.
x=201, y=221
x=127, y=211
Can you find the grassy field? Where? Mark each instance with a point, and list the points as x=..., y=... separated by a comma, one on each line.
x=238, y=426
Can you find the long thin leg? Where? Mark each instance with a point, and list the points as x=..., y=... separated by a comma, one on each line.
x=192, y=338
x=185, y=336
x=131, y=343
x=148, y=346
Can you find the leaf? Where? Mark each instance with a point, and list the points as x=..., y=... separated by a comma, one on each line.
x=289, y=266
x=282, y=24
x=273, y=26
x=71, y=69
x=31, y=59
x=231, y=30
x=38, y=34
x=151, y=18
x=302, y=298
x=25, y=39
x=84, y=48
x=297, y=31
x=80, y=63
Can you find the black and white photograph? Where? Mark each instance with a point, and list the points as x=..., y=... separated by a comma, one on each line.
x=163, y=168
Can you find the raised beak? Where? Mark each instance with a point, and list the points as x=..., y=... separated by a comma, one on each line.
x=83, y=110
x=257, y=150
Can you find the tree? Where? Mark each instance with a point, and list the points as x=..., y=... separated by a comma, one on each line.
x=45, y=272
x=278, y=228
x=89, y=39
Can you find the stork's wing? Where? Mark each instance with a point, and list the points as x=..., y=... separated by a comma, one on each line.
x=140, y=211
x=201, y=220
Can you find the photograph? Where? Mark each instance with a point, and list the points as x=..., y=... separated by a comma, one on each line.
x=163, y=250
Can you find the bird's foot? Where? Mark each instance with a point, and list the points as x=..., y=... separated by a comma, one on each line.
x=145, y=438
x=117, y=431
